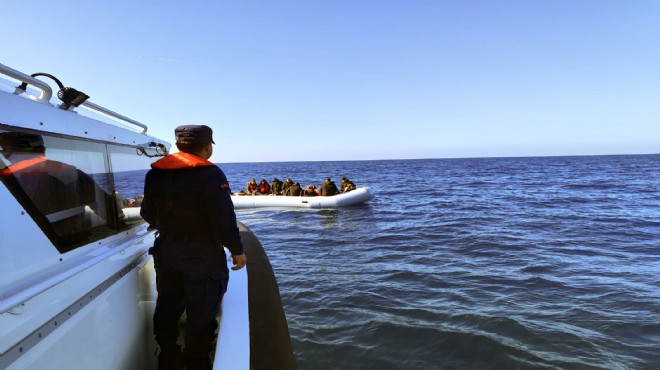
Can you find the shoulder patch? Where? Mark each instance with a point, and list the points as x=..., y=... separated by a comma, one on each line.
x=224, y=186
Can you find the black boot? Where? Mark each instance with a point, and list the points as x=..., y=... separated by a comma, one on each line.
x=171, y=358
x=198, y=363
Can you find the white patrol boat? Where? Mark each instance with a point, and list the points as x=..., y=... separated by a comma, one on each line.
x=77, y=286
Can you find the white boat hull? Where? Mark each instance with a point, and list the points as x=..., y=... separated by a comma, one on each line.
x=87, y=302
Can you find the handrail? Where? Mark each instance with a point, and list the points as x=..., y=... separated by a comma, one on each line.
x=110, y=113
x=46, y=91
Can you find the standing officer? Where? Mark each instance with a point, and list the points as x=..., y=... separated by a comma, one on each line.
x=187, y=199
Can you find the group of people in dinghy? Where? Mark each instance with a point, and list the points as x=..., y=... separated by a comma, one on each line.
x=291, y=188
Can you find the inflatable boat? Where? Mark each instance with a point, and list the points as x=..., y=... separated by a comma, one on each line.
x=351, y=198
x=77, y=285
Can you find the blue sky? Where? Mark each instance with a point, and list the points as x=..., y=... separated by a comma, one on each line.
x=360, y=79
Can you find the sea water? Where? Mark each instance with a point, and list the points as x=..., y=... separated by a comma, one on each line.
x=500, y=263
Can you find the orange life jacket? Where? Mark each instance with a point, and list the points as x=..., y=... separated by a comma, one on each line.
x=179, y=161
x=20, y=166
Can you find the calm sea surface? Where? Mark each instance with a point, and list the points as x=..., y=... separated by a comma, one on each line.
x=503, y=263
x=525, y=263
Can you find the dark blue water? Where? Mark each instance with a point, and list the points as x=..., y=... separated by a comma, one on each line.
x=517, y=263
x=507, y=263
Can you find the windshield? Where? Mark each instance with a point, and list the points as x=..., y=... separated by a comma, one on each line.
x=76, y=191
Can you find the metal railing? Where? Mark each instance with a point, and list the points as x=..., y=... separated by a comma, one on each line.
x=47, y=93
x=116, y=115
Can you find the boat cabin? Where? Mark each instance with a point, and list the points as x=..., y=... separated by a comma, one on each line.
x=72, y=245
x=77, y=285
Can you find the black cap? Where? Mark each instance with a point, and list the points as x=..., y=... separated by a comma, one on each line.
x=20, y=141
x=193, y=134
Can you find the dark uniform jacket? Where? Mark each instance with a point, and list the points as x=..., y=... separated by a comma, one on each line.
x=188, y=197
x=347, y=186
x=276, y=187
x=285, y=187
x=294, y=190
x=329, y=188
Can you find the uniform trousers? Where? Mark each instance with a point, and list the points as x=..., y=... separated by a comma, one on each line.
x=191, y=276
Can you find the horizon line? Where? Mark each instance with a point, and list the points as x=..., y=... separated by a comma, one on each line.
x=428, y=158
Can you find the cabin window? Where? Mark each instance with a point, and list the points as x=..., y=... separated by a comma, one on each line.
x=69, y=187
x=129, y=166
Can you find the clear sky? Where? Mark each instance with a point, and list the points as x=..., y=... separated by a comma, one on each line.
x=360, y=79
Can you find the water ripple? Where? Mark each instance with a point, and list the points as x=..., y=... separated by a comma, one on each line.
x=501, y=263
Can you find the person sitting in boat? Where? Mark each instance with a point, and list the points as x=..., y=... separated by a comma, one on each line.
x=121, y=201
x=136, y=202
x=346, y=185
x=329, y=188
x=287, y=184
x=264, y=188
x=251, y=187
x=294, y=190
x=276, y=186
x=57, y=192
x=310, y=191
